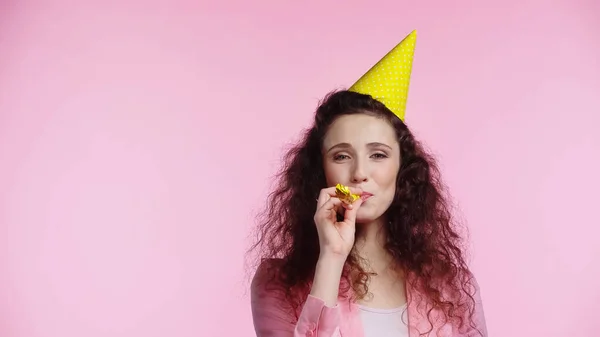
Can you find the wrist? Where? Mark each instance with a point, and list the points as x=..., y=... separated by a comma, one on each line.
x=331, y=261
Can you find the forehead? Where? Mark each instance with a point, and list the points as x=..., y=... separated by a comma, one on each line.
x=358, y=129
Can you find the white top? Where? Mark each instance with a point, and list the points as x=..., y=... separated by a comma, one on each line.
x=384, y=322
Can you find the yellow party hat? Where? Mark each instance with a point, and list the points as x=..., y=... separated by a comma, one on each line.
x=388, y=80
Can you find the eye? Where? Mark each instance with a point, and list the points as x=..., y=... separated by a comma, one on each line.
x=379, y=155
x=339, y=157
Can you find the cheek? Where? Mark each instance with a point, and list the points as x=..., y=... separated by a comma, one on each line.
x=385, y=176
x=335, y=174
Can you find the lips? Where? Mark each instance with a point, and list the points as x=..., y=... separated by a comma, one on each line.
x=365, y=195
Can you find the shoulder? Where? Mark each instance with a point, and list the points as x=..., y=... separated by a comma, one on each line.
x=266, y=278
x=267, y=270
x=475, y=289
x=478, y=326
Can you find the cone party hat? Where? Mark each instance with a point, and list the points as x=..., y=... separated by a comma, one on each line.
x=388, y=80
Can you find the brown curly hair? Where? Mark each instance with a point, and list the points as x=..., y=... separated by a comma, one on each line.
x=422, y=234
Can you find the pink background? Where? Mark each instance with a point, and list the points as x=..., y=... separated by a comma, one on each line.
x=124, y=129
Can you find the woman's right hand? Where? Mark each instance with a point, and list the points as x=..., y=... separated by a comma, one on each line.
x=336, y=238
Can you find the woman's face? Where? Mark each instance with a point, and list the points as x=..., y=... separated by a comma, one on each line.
x=362, y=151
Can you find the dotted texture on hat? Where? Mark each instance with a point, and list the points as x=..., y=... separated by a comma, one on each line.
x=388, y=80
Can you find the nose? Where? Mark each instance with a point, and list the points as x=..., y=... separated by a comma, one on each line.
x=358, y=172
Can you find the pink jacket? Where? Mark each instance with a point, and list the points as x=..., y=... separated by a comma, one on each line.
x=273, y=318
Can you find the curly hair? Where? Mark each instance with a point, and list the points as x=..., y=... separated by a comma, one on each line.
x=422, y=233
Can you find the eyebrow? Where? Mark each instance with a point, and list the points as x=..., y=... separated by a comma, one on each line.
x=347, y=145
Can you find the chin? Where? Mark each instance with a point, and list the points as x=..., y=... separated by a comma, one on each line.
x=366, y=216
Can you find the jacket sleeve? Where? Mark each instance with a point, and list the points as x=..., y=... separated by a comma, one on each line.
x=274, y=317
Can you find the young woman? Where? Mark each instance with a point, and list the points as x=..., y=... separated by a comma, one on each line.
x=389, y=264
